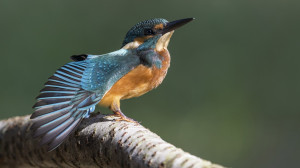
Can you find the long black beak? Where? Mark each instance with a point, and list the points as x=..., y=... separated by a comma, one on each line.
x=175, y=24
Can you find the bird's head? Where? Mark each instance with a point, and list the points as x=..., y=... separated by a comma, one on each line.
x=157, y=32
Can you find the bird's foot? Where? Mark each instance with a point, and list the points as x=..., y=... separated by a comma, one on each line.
x=122, y=117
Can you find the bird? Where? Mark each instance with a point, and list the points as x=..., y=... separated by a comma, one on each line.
x=74, y=90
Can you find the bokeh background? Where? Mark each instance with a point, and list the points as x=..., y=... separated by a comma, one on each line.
x=232, y=92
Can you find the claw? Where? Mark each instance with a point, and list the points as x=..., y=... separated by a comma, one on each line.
x=123, y=117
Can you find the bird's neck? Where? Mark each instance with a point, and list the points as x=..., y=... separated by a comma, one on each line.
x=153, y=51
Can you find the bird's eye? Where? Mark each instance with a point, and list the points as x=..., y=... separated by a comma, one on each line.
x=149, y=32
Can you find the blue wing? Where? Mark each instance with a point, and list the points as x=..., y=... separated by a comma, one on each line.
x=73, y=92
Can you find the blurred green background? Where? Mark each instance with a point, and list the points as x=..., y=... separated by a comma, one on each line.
x=232, y=92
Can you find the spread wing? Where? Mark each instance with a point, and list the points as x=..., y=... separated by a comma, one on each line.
x=73, y=92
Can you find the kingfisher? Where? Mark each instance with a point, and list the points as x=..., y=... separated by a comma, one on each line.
x=73, y=91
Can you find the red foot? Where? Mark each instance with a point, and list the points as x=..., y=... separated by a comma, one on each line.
x=123, y=117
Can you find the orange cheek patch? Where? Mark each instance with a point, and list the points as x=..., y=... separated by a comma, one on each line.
x=142, y=39
x=136, y=42
x=159, y=26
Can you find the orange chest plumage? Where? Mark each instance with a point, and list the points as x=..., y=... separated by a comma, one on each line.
x=138, y=81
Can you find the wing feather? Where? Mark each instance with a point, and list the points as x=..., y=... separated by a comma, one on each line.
x=73, y=91
x=56, y=110
x=63, y=135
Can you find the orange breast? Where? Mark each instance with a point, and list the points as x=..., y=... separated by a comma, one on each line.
x=137, y=82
